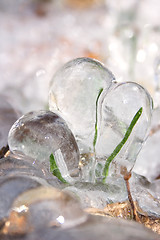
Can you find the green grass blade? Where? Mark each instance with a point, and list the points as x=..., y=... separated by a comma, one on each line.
x=55, y=170
x=96, y=130
x=120, y=145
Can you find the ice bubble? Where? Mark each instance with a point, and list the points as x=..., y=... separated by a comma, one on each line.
x=73, y=94
x=118, y=108
x=38, y=134
x=44, y=207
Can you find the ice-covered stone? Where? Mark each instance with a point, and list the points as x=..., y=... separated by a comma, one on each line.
x=155, y=190
x=11, y=187
x=43, y=207
x=38, y=134
x=119, y=106
x=110, y=228
x=146, y=195
x=95, y=228
x=7, y=117
x=73, y=94
x=148, y=161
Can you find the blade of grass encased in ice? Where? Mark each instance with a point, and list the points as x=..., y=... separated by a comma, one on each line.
x=95, y=135
x=120, y=145
x=55, y=170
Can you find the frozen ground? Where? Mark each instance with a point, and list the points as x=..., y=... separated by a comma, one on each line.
x=37, y=37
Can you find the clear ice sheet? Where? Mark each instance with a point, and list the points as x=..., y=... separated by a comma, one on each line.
x=73, y=94
x=98, y=195
x=38, y=134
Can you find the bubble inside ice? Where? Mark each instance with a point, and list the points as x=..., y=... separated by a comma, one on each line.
x=38, y=134
x=44, y=207
x=73, y=93
x=119, y=107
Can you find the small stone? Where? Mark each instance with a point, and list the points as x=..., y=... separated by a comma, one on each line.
x=96, y=227
x=43, y=207
x=11, y=187
x=146, y=201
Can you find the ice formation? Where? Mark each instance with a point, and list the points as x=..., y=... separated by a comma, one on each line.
x=130, y=50
x=38, y=134
x=73, y=93
x=118, y=107
x=109, y=120
x=99, y=111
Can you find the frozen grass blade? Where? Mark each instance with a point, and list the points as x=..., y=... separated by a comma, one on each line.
x=93, y=161
x=96, y=130
x=120, y=145
x=55, y=170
